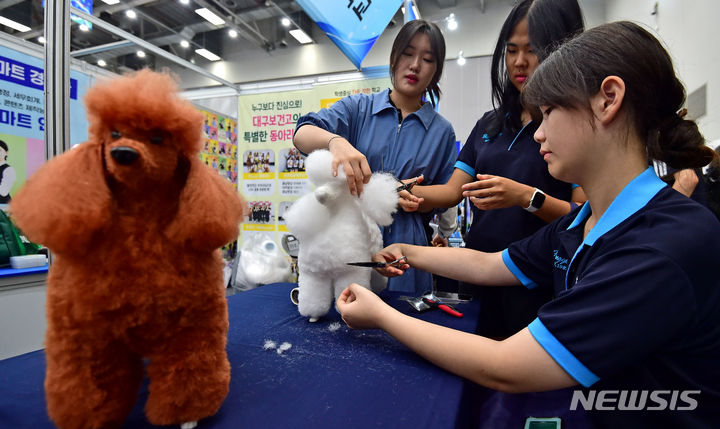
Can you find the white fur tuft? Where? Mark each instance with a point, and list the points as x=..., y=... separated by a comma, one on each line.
x=318, y=167
x=379, y=198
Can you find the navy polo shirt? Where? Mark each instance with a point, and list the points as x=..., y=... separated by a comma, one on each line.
x=637, y=301
x=515, y=155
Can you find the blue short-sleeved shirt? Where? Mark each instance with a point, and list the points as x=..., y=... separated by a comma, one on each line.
x=637, y=302
x=424, y=143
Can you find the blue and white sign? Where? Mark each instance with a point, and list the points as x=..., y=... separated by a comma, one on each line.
x=353, y=25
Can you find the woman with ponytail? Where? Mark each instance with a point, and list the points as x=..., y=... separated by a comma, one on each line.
x=636, y=314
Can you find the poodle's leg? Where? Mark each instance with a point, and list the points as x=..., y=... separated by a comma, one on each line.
x=315, y=294
x=359, y=275
x=89, y=383
x=190, y=378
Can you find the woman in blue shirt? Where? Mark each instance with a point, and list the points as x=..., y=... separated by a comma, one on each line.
x=636, y=314
x=499, y=167
x=393, y=131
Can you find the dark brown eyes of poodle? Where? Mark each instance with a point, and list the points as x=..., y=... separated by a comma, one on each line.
x=156, y=139
x=115, y=134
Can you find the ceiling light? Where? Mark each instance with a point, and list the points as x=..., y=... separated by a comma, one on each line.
x=211, y=17
x=452, y=24
x=101, y=63
x=415, y=11
x=84, y=27
x=111, y=2
x=285, y=22
x=300, y=36
x=131, y=14
x=185, y=1
x=184, y=43
x=232, y=33
x=461, y=59
x=14, y=25
x=207, y=54
x=42, y=40
x=141, y=54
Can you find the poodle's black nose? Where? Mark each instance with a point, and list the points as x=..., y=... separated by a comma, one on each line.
x=124, y=155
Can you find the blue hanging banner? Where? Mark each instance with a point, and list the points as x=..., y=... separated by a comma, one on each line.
x=353, y=25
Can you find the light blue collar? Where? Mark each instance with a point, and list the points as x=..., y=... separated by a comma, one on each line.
x=634, y=196
x=381, y=101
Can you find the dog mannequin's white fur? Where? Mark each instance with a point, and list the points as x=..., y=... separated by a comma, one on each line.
x=333, y=228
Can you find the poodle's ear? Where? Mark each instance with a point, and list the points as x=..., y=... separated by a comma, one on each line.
x=66, y=201
x=209, y=212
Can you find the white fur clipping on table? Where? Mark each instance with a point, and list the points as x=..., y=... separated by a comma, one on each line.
x=333, y=227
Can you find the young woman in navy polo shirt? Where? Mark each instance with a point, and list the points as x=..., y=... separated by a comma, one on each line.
x=499, y=167
x=636, y=313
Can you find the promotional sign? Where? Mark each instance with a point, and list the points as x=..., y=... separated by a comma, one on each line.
x=353, y=25
x=219, y=152
x=22, y=120
x=273, y=171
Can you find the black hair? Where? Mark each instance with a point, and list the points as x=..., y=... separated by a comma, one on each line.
x=550, y=23
x=4, y=145
x=437, y=44
x=506, y=98
x=574, y=72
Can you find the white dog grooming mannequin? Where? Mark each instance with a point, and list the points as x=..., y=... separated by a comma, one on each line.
x=333, y=228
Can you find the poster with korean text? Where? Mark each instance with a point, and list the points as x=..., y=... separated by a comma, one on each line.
x=22, y=120
x=273, y=171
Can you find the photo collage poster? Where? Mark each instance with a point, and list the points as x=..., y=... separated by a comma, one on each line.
x=273, y=171
x=220, y=152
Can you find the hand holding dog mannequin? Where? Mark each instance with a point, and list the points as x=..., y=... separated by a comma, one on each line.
x=361, y=308
x=518, y=364
x=353, y=162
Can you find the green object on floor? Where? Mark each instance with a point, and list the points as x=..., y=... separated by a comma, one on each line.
x=543, y=423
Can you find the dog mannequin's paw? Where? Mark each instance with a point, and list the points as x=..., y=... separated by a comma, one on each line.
x=188, y=425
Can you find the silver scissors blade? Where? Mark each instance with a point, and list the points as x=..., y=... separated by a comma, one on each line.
x=378, y=264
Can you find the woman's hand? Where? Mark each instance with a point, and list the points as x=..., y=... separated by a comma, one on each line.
x=354, y=164
x=406, y=200
x=388, y=254
x=360, y=308
x=440, y=241
x=685, y=181
x=496, y=192
x=409, y=202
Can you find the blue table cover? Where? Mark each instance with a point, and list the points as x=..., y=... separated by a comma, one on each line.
x=331, y=377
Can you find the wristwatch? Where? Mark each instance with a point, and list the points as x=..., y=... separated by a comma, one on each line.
x=536, y=201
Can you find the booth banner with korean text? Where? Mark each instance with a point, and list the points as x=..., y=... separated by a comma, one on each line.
x=273, y=171
x=353, y=25
x=22, y=120
x=219, y=151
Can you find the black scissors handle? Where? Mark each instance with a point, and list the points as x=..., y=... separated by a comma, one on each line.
x=406, y=186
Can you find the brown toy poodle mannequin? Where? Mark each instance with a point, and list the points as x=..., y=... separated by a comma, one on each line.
x=135, y=220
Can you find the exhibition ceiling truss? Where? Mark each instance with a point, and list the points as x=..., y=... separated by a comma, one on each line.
x=171, y=25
